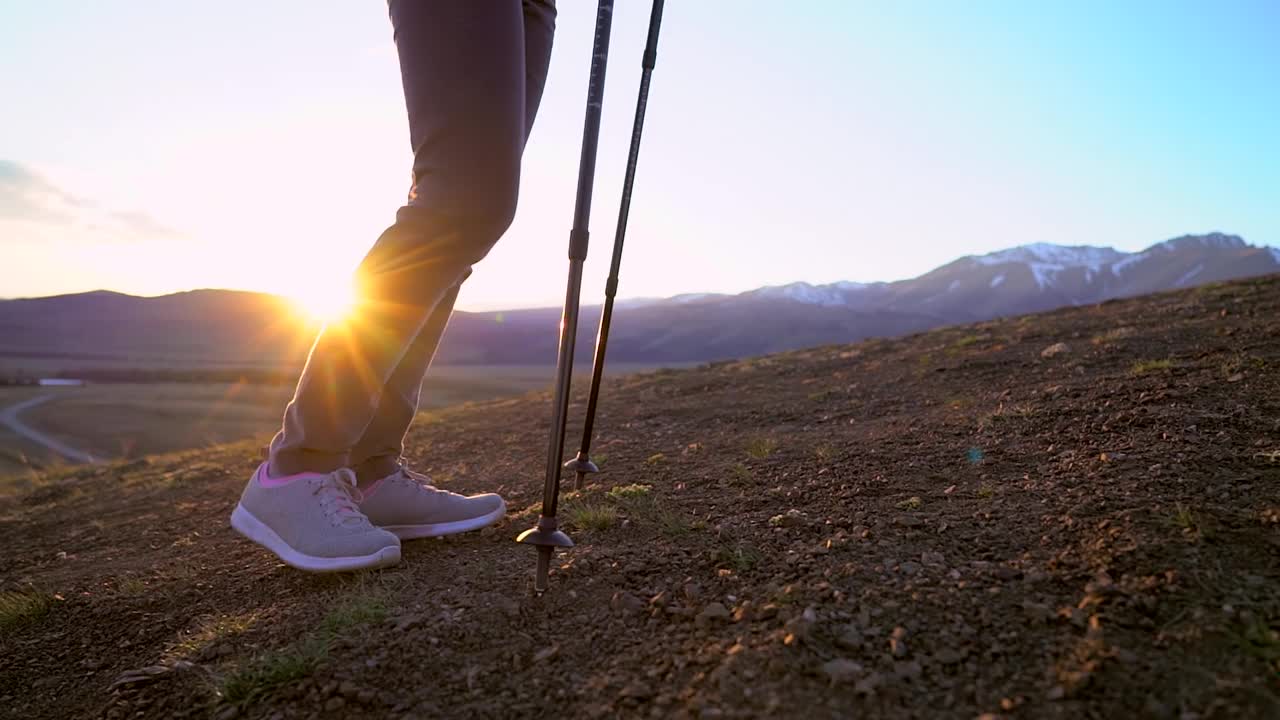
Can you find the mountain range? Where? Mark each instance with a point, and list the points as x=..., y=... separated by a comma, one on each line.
x=221, y=328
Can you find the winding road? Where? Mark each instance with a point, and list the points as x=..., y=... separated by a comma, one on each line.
x=9, y=418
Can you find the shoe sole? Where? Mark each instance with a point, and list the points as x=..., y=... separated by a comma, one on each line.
x=413, y=532
x=251, y=527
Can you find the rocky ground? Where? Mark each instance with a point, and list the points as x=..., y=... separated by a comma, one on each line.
x=1072, y=514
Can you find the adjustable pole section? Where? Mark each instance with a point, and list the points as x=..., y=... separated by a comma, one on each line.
x=582, y=464
x=546, y=535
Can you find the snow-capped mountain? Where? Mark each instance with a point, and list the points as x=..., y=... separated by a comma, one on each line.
x=1042, y=276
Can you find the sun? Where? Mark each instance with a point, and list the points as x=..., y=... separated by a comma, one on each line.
x=324, y=302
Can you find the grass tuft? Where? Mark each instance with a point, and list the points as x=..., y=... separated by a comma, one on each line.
x=986, y=491
x=761, y=447
x=22, y=607
x=739, y=557
x=912, y=503
x=299, y=660
x=1142, y=367
x=629, y=493
x=591, y=516
x=655, y=458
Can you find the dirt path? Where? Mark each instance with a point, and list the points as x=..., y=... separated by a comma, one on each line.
x=1068, y=515
x=9, y=418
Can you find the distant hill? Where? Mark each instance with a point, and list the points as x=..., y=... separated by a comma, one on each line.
x=218, y=328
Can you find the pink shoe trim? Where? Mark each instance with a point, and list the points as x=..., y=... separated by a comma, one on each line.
x=265, y=480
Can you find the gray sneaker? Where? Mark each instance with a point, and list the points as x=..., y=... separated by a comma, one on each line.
x=405, y=503
x=314, y=523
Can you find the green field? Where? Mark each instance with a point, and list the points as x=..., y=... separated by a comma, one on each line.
x=128, y=420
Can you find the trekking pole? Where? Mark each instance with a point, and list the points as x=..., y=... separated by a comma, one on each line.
x=546, y=535
x=582, y=464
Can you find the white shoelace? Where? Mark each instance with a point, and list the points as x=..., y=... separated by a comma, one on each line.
x=338, y=491
x=416, y=479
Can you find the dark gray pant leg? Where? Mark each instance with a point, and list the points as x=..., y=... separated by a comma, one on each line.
x=468, y=83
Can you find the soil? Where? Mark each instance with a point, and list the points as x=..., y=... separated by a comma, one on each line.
x=971, y=522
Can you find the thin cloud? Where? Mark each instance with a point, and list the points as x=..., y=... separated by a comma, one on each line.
x=32, y=207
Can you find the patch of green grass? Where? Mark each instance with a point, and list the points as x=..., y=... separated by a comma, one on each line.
x=22, y=607
x=300, y=659
x=740, y=474
x=761, y=447
x=271, y=670
x=739, y=557
x=599, y=459
x=629, y=493
x=986, y=491
x=1142, y=367
x=591, y=516
x=824, y=452
x=131, y=586
x=359, y=610
x=655, y=458
x=1256, y=637
x=968, y=340
x=912, y=503
x=673, y=523
x=209, y=631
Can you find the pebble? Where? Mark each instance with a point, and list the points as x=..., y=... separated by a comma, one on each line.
x=713, y=612
x=897, y=642
x=626, y=603
x=932, y=558
x=334, y=704
x=841, y=670
x=1055, y=349
x=910, y=568
x=850, y=639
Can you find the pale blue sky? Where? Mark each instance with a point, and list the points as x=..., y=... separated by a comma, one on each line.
x=156, y=146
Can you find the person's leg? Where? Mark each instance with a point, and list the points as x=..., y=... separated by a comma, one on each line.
x=463, y=66
x=377, y=453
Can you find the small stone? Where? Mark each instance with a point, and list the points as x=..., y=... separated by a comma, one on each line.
x=910, y=568
x=1235, y=377
x=334, y=704
x=713, y=612
x=1057, y=692
x=768, y=611
x=62, y=555
x=897, y=642
x=348, y=689
x=908, y=670
x=850, y=639
x=841, y=670
x=508, y=606
x=408, y=621
x=1004, y=572
x=1055, y=349
x=932, y=558
x=625, y=603
x=692, y=591
x=908, y=521
x=228, y=713
x=546, y=653
x=365, y=697
x=742, y=612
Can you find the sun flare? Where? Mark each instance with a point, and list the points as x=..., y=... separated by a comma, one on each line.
x=325, y=302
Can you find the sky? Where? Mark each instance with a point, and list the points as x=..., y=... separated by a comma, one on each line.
x=150, y=146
